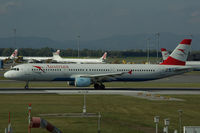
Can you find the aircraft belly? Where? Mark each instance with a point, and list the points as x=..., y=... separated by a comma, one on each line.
x=137, y=77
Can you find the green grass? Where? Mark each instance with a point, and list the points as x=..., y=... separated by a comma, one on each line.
x=111, y=84
x=120, y=114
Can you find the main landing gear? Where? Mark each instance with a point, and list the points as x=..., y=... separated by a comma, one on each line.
x=99, y=86
x=26, y=86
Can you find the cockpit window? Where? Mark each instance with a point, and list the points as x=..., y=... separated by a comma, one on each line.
x=15, y=69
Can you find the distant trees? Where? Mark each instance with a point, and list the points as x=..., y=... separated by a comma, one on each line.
x=195, y=55
x=6, y=51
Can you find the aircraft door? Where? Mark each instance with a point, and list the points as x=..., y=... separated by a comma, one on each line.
x=25, y=73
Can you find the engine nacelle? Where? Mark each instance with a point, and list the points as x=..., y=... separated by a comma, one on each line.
x=71, y=83
x=82, y=82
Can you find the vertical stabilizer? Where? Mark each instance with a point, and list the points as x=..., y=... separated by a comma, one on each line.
x=180, y=54
x=56, y=56
x=165, y=53
x=57, y=52
x=14, y=54
x=104, y=56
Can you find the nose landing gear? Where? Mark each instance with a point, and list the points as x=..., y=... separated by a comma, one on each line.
x=27, y=85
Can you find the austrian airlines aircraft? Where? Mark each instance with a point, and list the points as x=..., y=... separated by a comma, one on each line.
x=83, y=75
x=12, y=57
x=32, y=59
x=57, y=58
x=195, y=64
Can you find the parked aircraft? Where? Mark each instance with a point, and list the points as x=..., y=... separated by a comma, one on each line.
x=83, y=75
x=12, y=57
x=195, y=64
x=57, y=58
x=165, y=53
x=34, y=59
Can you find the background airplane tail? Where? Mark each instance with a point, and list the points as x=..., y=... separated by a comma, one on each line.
x=180, y=54
x=104, y=56
x=14, y=54
x=165, y=53
x=57, y=52
x=56, y=56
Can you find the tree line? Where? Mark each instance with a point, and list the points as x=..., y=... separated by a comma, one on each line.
x=194, y=55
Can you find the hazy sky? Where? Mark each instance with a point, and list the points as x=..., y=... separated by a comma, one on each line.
x=94, y=19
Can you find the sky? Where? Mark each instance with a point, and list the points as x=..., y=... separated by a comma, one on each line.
x=95, y=19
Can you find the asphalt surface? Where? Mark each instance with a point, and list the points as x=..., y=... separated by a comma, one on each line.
x=108, y=91
x=92, y=89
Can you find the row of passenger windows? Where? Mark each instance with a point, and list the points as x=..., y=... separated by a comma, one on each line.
x=137, y=70
x=89, y=69
x=120, y=70
x=46, y=69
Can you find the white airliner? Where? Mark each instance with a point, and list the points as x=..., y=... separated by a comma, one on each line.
x=33, y=59
x=195, y=64
x=12, y=57
x=83, y=75
x=57, y=58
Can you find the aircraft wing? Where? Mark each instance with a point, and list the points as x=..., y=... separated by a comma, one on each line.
x=104, y=77
x=3, y=58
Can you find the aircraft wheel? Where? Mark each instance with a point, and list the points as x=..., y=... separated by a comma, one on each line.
x=96, y=86
x=26, y=86
x=102, y=87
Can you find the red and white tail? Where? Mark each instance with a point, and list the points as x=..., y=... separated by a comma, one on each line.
x=104, y=56
x=180, y=54
x=165, y=53
x=56, y=55
x=57, y=52
x=14, y=54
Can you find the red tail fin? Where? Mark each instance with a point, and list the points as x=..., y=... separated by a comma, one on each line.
x=180, y=54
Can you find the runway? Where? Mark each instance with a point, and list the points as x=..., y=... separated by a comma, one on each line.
x=108, y=91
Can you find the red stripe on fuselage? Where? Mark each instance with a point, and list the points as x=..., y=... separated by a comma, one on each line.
x=172, y=61
x=40, y=68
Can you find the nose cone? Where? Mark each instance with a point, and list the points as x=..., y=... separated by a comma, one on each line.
x=7, y=75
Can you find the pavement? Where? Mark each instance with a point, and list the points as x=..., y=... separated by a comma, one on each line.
x=149, y=94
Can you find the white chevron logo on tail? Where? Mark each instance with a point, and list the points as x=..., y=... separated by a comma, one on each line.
x=180, y=54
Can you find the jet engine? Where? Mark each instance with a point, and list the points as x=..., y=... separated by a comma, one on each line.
x=82, y=82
